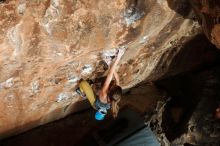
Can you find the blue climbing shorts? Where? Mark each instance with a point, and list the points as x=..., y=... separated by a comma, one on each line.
x=101, y=105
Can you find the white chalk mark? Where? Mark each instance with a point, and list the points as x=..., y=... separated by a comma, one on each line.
x=87, y=69
x=15, y=39
x=9, y=83
x=35, y=86
x=73, y=79
x=51, y=16
x=144, y=39
x=21, y=8
x=108, y=55
x=131, y=16
x=62, y=97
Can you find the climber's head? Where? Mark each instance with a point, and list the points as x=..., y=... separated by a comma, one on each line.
x=115, y=95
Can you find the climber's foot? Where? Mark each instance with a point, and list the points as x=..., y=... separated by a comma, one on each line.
x=78, y=91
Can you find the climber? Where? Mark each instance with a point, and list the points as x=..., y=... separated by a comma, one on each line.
x=109, y=94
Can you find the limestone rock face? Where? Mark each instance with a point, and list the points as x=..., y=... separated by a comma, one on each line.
x=208, y=11
x=46, y=46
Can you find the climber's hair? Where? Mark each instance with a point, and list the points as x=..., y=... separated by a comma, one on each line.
x=115, y=95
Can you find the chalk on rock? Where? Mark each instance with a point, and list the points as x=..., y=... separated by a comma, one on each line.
x=87, y=69
x=132, y=15
x=144, y=39
x=108, y=55
x=21, y=8
x=35, y=86
x=73, y=79
x=9, y=83
x=63, y=97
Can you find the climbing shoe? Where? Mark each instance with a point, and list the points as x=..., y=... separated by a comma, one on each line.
x=78, y=91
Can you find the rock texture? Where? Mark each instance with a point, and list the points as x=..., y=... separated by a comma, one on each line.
x=81, y=129
x=188, y=117
x=46, y=46
x=208, y=12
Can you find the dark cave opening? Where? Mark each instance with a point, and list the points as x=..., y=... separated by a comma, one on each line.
x=187, y=91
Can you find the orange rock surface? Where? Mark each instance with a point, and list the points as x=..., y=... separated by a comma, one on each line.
x=46, y=46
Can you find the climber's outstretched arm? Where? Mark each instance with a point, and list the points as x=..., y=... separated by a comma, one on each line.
x=116, y=78
x=104, y=90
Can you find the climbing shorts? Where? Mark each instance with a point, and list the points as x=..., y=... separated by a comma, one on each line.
x=100, y=105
